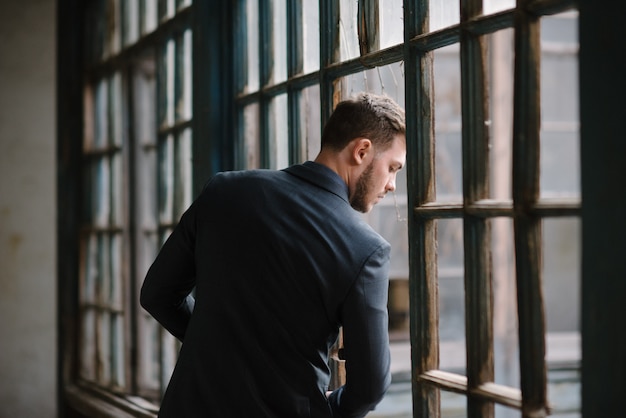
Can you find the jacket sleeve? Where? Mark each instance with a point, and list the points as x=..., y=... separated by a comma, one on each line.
x=166, y=290
x=366, y=340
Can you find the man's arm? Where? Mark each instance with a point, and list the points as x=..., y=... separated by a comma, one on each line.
x=366, y=340
x=165, y=292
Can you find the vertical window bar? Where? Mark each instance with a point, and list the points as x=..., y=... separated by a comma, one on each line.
x=329, y=53
x=424, y=332
x=527, y=227
x=266, y=69
x=241, y=62
x=368, y=26
x=295, y=47
x=478, y=284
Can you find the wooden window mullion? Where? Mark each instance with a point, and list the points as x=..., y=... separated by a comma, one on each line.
x=329, y=53
x=266, y=63
x=527, y=226
x=476, y=235
x=295, y=61
x=423, y=287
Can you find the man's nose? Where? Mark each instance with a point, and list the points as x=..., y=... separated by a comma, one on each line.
x=391, y=184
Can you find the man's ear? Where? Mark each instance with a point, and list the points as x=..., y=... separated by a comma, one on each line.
x=360, y=149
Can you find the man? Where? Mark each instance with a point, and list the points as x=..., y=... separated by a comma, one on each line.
x=280, y=260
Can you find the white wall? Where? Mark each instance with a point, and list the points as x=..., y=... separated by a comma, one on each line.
x=27, y=209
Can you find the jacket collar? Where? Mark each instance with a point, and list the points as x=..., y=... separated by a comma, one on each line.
x=321, y=176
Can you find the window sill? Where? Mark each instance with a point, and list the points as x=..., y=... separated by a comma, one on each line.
x=97, y=403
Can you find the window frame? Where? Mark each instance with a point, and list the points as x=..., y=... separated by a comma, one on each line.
x=526, y=210
x=78, y=396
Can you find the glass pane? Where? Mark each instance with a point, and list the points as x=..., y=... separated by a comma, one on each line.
x=144, y=96
x=493, y=6
x=104, y=262
x=101, y=193
x=348, y=32
x=389, y=218
x=279, y=40
x=88, y=345
x=183, y=187
x=311, y=35
x=117, y=191
x=560, y=164
x=560, y=29
x=252, y=43
x=149, y=14
x=505, y=324
x=561, y=286
x=251, y=137
x=562, y=273
x=387, y=80
x=500, y=79
x=148, y=328
x=166, y=85
x=451, y=295
x=118, y=373
x=89, y=117
x=453, y=405
x=560, y=131
x=279, y=145
x=101, y=115
x=103, y=353
x=116, y=111
x=310, y=122
x=391, y=23
x=131, y=21
x=149, y=363
x=166, y=183
x=90, y=270
x=117, y=273
x=144, y=106
x=448, y=151
x=443, y=13
x=183, y=77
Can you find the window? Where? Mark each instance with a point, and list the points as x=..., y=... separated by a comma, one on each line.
x=484, y=227
x=137, y=171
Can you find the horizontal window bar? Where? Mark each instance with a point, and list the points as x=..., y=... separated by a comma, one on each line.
x=487, y=208
x=493, y=392
x=550, y=7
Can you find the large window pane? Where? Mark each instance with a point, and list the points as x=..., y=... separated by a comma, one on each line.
x=448, y=157
x=311, y=35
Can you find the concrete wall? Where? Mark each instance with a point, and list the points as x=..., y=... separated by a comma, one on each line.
x=27, y=209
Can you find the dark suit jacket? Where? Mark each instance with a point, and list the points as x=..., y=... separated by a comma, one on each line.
x=279, y=261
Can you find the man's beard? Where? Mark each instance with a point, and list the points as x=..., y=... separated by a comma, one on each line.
x=358, y=200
